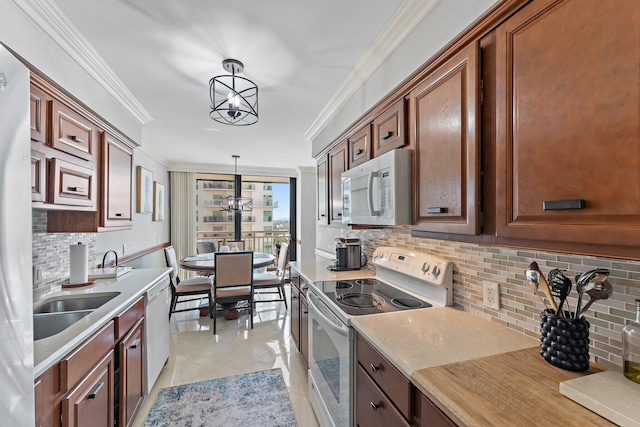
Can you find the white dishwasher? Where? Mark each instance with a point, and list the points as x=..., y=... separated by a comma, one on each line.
x=156, y=331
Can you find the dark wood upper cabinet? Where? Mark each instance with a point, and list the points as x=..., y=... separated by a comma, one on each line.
x=389, y=129
x=117, y=173
x=568, y=123
x=38, y=117
x=72, y=133
x=443, y=112
x=323, y=191
x=337, y=165
x=359, y=146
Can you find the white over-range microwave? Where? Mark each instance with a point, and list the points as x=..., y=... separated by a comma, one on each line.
x=378, y=192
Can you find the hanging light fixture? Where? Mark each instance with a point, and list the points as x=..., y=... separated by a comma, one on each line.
x=236, y=203
x=234, y=99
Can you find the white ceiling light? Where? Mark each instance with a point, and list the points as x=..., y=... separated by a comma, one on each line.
x=234, y=99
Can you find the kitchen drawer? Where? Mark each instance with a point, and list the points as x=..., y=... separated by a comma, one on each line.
x=389, y=129
x=128, y=318
x=74, y=367
x=373, y=408
x=73, y=184
x=383, y=373
x=360, y=146
x=72, y=133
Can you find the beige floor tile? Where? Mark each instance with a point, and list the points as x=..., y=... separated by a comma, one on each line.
x=196, y=354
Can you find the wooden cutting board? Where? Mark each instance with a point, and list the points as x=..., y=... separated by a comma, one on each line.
x=518, y=388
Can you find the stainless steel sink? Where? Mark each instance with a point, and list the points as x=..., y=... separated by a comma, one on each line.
x=48, y=324
x=84, y=302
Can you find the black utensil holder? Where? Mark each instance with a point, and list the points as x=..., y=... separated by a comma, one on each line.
x=564, y=342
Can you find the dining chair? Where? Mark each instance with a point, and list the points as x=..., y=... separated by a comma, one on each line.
x=233, y=280
x=205, y=247
x=202, y=286
x=276, y=280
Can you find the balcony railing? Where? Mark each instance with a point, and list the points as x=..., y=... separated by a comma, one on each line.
x=255, y=240
x=218, y=185
x=215, y=218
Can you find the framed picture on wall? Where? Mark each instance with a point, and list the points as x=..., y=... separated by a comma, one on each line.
x=158, y=201
x=144, y=197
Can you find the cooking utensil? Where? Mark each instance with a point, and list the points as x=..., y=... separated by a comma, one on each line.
x=533, y=280
x=587, y=281
x=560, y=287
x=600, y=291
x=543, y=285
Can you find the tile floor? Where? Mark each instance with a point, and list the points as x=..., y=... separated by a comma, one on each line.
x=197, y=354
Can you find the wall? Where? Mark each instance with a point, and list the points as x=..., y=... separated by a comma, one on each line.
x=306, y=211
x=520, y=308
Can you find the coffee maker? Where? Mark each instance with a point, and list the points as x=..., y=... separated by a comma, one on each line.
x=349, y=255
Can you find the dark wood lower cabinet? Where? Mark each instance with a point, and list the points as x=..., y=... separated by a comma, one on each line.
x=426, y=413
x=91, y=402
x=131, y=375
x=373, y=407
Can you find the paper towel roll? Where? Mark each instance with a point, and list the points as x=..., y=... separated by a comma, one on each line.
x=78, y=263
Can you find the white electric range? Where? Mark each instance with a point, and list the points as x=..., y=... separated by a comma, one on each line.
x=404, y=280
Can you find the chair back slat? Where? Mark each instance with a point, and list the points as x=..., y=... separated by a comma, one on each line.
x=234, y=269
x=172, y=262
x=205, y=247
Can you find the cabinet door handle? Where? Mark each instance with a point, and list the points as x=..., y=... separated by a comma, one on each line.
x=556, y=205
x=374, y=368
x=135, y=343
x=437, y=210
x=76, y=138
x=95, y=391
x=119, y=214
x=359, y=151
x=339, y=213
x=386, y=135
x=374, y=407
x=75, y=189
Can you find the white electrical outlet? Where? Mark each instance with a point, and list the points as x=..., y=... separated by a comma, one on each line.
x=491, y=295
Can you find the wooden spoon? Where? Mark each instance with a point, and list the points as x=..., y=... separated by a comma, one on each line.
x=544, y=285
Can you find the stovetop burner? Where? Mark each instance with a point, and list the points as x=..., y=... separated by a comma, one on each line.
x=368, y=296
x=360, y=300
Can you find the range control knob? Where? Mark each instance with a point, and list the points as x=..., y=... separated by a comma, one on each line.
x=436, y=270
x=425, y=268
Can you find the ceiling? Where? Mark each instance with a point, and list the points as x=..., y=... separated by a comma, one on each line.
x=300, y=54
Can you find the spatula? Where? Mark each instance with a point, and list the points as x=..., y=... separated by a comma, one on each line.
x=560, y=287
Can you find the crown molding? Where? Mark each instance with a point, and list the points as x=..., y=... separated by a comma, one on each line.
x=403, y=21
x=230, y=169
x=48, y=16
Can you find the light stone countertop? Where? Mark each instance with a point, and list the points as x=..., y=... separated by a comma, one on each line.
x=130, y=287
x=316, y=271
x=424, y=338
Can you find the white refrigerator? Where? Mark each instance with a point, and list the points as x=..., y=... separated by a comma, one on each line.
x=16, y=289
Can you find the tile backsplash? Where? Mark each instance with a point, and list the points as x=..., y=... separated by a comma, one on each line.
x=51, y=255
x=519, y=308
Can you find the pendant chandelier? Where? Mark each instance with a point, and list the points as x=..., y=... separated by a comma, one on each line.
x=234, y=99
x=236, y=204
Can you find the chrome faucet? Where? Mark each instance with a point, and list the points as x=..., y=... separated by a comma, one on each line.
x=104, y=258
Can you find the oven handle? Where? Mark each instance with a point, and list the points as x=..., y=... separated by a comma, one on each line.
x=325, y=315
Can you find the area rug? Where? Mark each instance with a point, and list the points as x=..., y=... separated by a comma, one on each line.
x=254, y=399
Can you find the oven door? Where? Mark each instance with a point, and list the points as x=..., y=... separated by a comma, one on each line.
x=331, y=344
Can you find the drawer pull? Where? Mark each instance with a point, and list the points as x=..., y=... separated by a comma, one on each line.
x=339, y=213
x=76, y=189
x=437, y=210
x=386, y=135
x=374, y=407
x=76, y=138
x=359, y=151
x=135, y=343
x=556, y=205
x=119, y=214
x=95, y=391
x=374, y=368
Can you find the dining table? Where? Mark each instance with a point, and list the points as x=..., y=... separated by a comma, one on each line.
x=206, y=262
